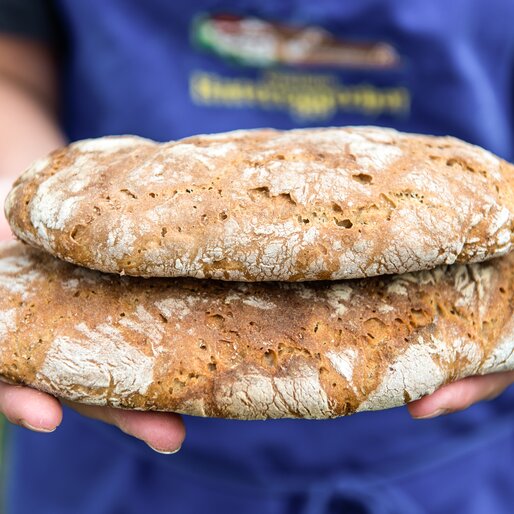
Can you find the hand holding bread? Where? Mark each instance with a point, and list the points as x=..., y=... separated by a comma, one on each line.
x=262, y=206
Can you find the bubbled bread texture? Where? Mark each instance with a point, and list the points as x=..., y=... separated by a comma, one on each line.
x=259, y=205
x=250, y=351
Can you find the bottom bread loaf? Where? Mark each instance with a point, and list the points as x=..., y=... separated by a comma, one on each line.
x=250, y=351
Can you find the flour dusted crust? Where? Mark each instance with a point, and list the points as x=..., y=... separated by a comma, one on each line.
x=257, y=205
x=250, y=351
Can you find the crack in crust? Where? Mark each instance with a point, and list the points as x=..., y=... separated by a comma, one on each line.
x=264, y=205
x=250, y=351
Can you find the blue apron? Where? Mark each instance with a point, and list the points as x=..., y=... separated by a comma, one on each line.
x=166, y=70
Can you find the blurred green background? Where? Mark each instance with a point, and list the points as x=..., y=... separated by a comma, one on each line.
x=2, y=463
x=2, y=450
x=2, y=441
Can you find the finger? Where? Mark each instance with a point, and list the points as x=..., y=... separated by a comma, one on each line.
x=30, y=408
x=461, y=394
x=164, y=432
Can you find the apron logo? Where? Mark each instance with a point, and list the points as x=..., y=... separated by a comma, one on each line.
x=304, y=97
x=306, y=72
x=259, y=43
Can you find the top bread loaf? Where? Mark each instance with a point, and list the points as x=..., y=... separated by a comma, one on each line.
x=255, y=205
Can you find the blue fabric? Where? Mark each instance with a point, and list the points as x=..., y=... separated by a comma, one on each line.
x=133, y=68
x=462, y=463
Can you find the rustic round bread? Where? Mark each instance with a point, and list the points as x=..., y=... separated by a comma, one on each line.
x=257, y=205
x=250, y=351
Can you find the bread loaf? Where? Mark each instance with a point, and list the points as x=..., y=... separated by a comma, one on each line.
x=259, y=205
x=250, y=351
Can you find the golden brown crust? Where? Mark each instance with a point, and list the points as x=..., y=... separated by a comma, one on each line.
x=239, y=350
x=268, y=205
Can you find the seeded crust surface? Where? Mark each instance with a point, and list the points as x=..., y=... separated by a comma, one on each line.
x=264, y=205
x=250, y=351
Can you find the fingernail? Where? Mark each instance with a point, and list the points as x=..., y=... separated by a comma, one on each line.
x=435, y=414
x=164, y=452
x=42, y=430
